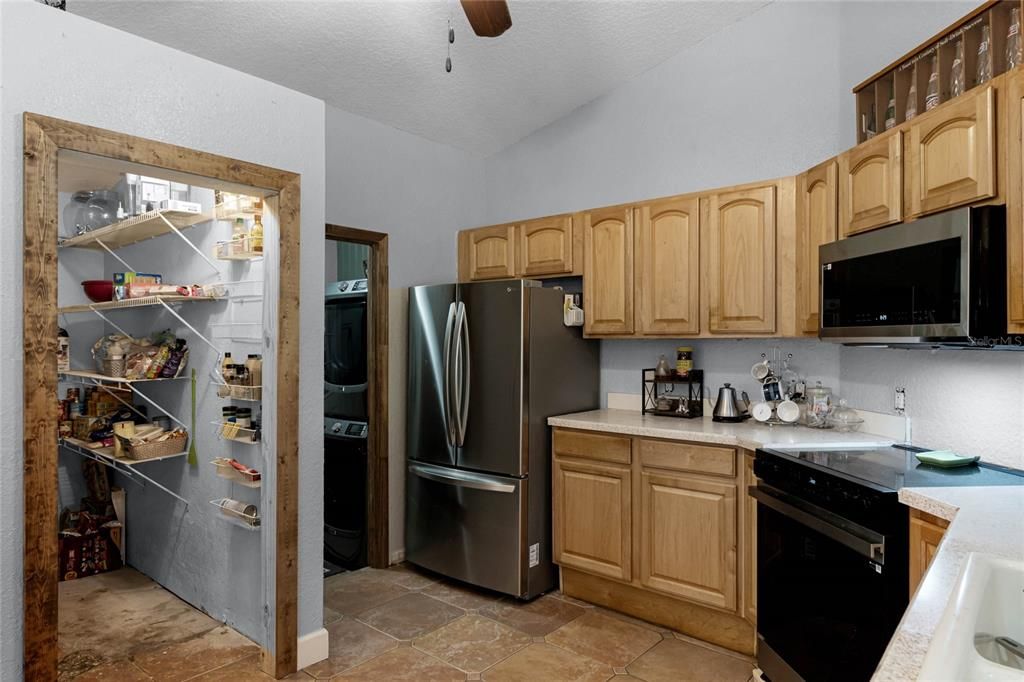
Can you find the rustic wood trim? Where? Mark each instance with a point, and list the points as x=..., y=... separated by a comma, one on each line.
x=44, y=137
x=377, y=438
x=39, y=332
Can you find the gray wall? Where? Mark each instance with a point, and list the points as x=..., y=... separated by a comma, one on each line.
x=765, y=97
x=48, y=64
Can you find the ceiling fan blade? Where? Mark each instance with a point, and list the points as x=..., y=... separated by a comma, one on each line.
x=489, y=18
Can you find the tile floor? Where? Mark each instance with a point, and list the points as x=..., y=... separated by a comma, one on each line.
x=395, y=624
x=402, y=624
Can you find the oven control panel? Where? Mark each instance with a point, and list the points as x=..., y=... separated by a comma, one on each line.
x=344, y=428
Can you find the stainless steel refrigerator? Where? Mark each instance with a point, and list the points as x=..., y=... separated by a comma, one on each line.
x=489, y=362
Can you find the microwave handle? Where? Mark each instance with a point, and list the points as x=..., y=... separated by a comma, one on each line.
x=861, y=540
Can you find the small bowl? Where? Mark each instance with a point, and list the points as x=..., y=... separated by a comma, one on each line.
x=99, y=290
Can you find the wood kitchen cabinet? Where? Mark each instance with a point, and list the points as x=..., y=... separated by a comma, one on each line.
x=546, y=246
x=871, y=184
x=688, y=537
x=592, y=510
x=748, y=507
x=739, y=265
x=816, y=224
x=951, y=153
x=926, y=532
x=608, y=270
x=668, y=266
x=487, y=253
x=1014, y=97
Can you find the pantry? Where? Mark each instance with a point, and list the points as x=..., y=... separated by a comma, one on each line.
x=160, y=389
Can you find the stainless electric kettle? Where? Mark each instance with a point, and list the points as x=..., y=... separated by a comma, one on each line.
x=728, y=407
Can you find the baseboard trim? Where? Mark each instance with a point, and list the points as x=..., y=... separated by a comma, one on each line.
x=398, y=556
x=312, y=648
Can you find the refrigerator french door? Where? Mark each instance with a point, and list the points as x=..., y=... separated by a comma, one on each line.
x=488, y=363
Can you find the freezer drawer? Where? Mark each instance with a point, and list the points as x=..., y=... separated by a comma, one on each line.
x=467, y=526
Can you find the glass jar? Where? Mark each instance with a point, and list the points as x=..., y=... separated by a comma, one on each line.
x=819, y=405
x=684, y=360
x=844, y=418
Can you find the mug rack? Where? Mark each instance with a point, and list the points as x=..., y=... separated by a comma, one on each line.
x=684, y=395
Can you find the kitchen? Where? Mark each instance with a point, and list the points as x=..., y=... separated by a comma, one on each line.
x=609, y=154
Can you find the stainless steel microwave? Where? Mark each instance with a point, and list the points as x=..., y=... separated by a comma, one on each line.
x=937, y=280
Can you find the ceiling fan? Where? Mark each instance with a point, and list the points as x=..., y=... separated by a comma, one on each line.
x=489, y=18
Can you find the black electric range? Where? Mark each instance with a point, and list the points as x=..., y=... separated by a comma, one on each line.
x=832, y=554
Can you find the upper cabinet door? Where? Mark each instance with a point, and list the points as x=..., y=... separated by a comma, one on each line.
x=741, y=261
x=815, y=225
x=871, y=185
x=1015, y=207
x=545, y=246
x=668, y=262
x=952, y=154
x=488, y=253
x=608, y=271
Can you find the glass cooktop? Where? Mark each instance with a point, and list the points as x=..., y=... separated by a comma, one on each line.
x=895, y=467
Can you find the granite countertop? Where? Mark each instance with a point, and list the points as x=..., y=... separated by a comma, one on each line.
x=749, y=434
x=989, y=520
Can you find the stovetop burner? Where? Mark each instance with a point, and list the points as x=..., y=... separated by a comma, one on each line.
x=895, y=467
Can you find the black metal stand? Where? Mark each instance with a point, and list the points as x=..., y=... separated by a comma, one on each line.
x=685, y=395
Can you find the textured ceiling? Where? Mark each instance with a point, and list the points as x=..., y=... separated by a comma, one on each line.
x=385, y=60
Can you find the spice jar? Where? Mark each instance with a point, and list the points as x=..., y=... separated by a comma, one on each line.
x=684, y=360
x=244, y=417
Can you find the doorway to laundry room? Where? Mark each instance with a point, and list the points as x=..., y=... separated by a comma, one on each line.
x=355, y=402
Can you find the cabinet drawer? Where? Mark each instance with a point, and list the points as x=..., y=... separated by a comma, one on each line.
x=701, y=459
x=592, y=446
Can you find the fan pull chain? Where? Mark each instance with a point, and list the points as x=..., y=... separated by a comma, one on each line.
x=451, y=41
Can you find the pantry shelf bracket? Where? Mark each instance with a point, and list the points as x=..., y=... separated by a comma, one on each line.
x=127, y=470
x=157, y=406
x=109, y=321
x=120, y=260
x=190, y=244
x=195, y=331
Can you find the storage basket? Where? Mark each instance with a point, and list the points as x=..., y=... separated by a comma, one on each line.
x=112, y=367
x=162, y=448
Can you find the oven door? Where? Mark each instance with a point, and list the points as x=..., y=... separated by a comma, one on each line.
x=827, y=600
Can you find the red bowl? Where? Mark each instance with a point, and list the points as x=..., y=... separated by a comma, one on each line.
x=99, y=290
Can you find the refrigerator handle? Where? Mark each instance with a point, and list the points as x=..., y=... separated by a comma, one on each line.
x=464, y=378
x=448, y=383
x=461, y=479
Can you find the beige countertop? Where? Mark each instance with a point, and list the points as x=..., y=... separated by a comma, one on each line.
x=749, y=434
x=989, y=520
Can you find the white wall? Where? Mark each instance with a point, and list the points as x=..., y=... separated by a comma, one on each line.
x=765, y=97
x=49, y=61
x=420, y=193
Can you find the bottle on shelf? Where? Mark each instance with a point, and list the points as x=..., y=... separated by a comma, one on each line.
x=1014, y=55
x=912, y=95
x=957, y=78
x=931, y=95
x=238, y=235
x=256, y=234
x=871, y=127
x=985, y=55
x=890, y=109
x=225, y=363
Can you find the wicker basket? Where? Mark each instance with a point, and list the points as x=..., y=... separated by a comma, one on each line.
x=163, y=448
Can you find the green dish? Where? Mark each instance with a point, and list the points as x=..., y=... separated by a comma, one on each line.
x=946, y=459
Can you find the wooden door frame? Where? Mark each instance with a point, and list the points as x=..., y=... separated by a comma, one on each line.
x=377, y=399
x=44, y=137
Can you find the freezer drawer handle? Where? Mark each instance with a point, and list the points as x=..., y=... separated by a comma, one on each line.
x=858, y=538
x=462, y=479
x=449, y=383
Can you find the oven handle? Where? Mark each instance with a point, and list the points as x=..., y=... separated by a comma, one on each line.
x=858, y=538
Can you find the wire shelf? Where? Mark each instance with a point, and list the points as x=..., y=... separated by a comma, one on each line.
x=249, y=522
x=133, y=230
x=134, y=303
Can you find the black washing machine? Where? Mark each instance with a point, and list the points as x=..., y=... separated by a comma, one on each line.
x=345, y=526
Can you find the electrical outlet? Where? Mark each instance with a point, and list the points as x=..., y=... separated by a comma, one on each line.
x=900, y=399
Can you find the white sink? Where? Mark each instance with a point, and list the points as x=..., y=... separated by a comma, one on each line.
x=988, y=603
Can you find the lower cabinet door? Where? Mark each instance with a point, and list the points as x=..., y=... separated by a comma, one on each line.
x=688, y=538
x=592, y=518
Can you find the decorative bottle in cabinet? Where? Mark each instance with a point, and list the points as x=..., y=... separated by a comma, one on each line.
x=256, y=234
x=931, y=95
x=890, y=109
x=912, y=94
x=957, y=79
x=985, y=55
x=1014, y=57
